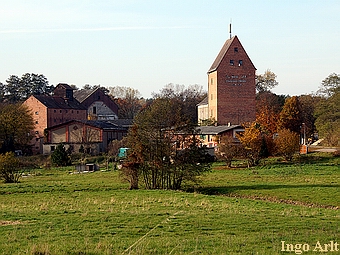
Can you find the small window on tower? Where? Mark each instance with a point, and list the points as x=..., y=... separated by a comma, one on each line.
x=231, y=62
x=235, y=49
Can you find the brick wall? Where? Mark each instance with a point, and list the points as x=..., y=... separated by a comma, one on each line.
x=235, y=87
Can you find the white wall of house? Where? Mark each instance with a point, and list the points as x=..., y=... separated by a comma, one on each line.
x=100, y=111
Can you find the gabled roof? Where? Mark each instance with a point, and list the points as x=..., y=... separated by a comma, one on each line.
x=59, y=102
x=223, y=51
x=203, y=102
x=82, y=94
x=215, y=130
x=64, y=85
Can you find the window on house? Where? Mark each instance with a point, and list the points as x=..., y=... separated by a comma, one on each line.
x=55, y=111
x=235, y=49
x=37, y=122
x=77, y=112
x=52, y=148
x=211, y=97
x=231, y=62
x=36, y=113
x=60, y=111
x=94, y=110
x=211, y=81
x=37, y=132
x=240, y=62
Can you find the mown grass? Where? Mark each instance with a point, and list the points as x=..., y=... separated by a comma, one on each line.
x=232, y=211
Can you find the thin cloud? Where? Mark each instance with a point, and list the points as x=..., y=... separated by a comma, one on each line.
x=60, y=30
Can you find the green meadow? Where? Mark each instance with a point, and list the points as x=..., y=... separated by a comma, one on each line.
x=231, y=211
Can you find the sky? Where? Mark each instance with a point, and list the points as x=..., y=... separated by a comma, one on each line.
x=146, y=44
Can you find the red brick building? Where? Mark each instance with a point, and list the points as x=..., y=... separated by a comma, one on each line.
x=231, y=86
x=49, y=111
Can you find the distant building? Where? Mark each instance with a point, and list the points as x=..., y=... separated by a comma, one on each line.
x=49, y=111
x=231, y=87
x=90, y=136
x=210, y=135
x=99, y=105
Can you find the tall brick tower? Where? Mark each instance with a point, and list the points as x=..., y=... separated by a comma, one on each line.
x=231, y=85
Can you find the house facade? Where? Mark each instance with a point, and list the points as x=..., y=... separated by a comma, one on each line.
x=210, y=135
x=49, y=111
x=231, y=86
x=99, y=105
x=90, y=136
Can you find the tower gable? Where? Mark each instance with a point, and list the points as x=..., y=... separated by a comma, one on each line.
x=231, y=85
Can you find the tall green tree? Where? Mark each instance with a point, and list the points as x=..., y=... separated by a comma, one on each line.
x=164, y=151
x=327, y=114
x=19, y=89
x=330, y=85
x=307, y=105
x=16, y=122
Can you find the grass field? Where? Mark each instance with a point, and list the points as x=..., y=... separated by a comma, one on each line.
x=232, y=211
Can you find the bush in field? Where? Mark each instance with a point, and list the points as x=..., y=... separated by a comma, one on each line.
x=287, y=143
x=254, y=142
x=228, y=149
x=60, y=157
x=9, y=168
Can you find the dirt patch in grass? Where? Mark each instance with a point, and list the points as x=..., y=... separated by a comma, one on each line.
x=8, y=222
x=283, y=201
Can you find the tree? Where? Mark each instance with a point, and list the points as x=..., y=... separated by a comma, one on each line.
x=307, y=105
x=254, y=144
x=129, y=101
x=16, y=122
x=287, y=143
x=266, y=81
x=163, y=146
x=228, y=149
x=9, y=166
x=60, y=157
x=327, y=113
x=93, y=87
x=19, y=89
x=186, y=97
x=330, y=85
x=290, y=116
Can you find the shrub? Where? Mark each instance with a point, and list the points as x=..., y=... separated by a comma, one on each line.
x=60, y=157
x=287, y=144
x=9, y=168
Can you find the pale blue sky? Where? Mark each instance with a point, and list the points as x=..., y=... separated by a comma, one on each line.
x=148, y=44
